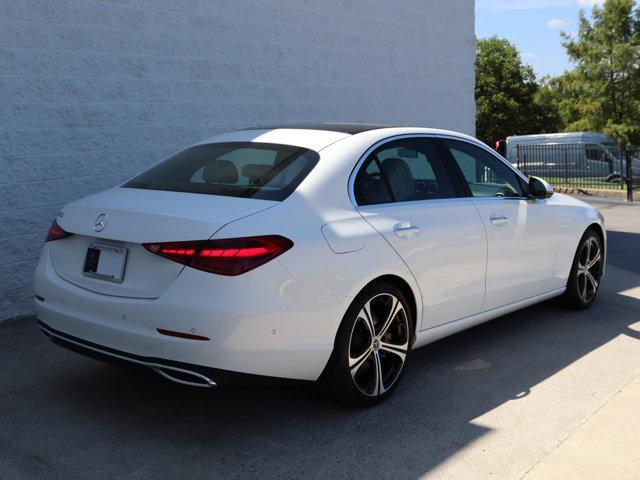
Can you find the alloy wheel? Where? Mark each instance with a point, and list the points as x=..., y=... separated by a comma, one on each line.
x=589, y=269
x=379, y=344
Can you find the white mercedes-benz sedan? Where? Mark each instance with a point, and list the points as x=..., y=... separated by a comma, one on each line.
x=315, y=252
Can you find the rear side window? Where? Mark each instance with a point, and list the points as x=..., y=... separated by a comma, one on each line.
x=233, y=169
x=402, y=171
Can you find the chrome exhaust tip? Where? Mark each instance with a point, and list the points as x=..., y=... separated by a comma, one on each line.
x=175, y=374
x=184, y=377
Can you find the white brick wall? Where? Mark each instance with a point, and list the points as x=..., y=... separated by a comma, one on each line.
x=94, y=91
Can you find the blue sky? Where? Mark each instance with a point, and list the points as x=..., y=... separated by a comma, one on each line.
x=534, y=26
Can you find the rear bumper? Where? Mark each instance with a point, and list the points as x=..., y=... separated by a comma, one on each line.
x=194, y=375
x=261, y=323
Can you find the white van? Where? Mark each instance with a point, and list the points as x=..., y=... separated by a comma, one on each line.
x=576, y=154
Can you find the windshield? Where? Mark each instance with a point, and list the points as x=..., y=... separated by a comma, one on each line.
x=234, y=169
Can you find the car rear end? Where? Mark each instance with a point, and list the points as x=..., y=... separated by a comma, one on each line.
x=143, y=273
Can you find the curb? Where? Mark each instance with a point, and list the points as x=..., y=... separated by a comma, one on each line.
x=596, y=192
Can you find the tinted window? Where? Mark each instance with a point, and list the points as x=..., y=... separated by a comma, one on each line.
x=238, y=169
x=401, y=171
x=593, y=152
x=486, y=175
x=370, y=188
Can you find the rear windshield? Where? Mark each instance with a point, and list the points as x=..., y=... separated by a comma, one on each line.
x=234, y=169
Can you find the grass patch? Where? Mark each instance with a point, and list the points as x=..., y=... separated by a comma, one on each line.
x=585, y=183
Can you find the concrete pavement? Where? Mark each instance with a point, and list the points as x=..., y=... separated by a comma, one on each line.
x=527, y=394
x=605, y=447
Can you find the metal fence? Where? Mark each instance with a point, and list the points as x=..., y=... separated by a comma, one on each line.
x=582, y=166
x=632, y=171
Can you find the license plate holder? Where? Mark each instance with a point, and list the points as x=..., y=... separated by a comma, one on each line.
x=105, y=262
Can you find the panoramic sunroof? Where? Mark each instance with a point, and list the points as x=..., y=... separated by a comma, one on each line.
x=349, y=128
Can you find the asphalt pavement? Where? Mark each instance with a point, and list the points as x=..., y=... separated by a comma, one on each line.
x=503, y=400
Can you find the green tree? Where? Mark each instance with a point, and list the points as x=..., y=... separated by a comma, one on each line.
x=508, y=100
x=602, y=93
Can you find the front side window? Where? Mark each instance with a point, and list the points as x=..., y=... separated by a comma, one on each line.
x=402, y=171
x=232, y=169
x=486, y=175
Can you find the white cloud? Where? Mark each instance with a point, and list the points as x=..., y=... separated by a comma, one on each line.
x=503, y=5
x=530, y=56
x=556, y=23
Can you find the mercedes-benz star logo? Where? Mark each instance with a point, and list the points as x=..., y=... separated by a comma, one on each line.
x=101, y=222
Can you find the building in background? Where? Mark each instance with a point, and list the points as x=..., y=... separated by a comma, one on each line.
x=92, y=92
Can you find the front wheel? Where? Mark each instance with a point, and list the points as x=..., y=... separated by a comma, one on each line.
x=586, y=272
x=371, y=348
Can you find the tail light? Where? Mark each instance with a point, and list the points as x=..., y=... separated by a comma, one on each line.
x=56, y=233
x=231, y=256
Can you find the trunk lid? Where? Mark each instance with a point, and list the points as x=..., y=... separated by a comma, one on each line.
x=135, y=216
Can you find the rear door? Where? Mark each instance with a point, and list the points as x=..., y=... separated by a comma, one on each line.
x=521, y=232
x=407, y=193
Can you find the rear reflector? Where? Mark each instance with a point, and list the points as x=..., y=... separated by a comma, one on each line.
x=56, y=232
x=188, y=336
x=231, y=256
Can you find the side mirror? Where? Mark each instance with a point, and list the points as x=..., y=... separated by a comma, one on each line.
x=539, y=189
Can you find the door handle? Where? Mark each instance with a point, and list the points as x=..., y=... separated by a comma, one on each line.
x=406, y=230
x=499, y=220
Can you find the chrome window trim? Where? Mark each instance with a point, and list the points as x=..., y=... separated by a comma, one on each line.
x=409, y=203
x=476, y=143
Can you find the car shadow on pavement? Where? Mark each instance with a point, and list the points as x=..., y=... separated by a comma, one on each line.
x=70, y=417
x=626, y=255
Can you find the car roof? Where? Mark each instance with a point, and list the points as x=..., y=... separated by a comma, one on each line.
x=320, y=135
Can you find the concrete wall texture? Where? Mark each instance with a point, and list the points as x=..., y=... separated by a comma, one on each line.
x=92, y=92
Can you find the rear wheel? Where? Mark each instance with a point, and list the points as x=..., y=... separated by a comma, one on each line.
x=586, y=272
x=372, y=346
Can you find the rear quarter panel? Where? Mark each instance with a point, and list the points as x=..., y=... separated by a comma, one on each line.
x=314, y=262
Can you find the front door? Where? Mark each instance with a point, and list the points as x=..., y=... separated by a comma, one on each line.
x=521, y=232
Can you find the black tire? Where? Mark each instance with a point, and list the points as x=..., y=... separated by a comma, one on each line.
x=584, y=280
x=357, y=351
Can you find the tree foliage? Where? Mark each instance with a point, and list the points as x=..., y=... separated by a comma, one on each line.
x=508, y=97
x=602, y=93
